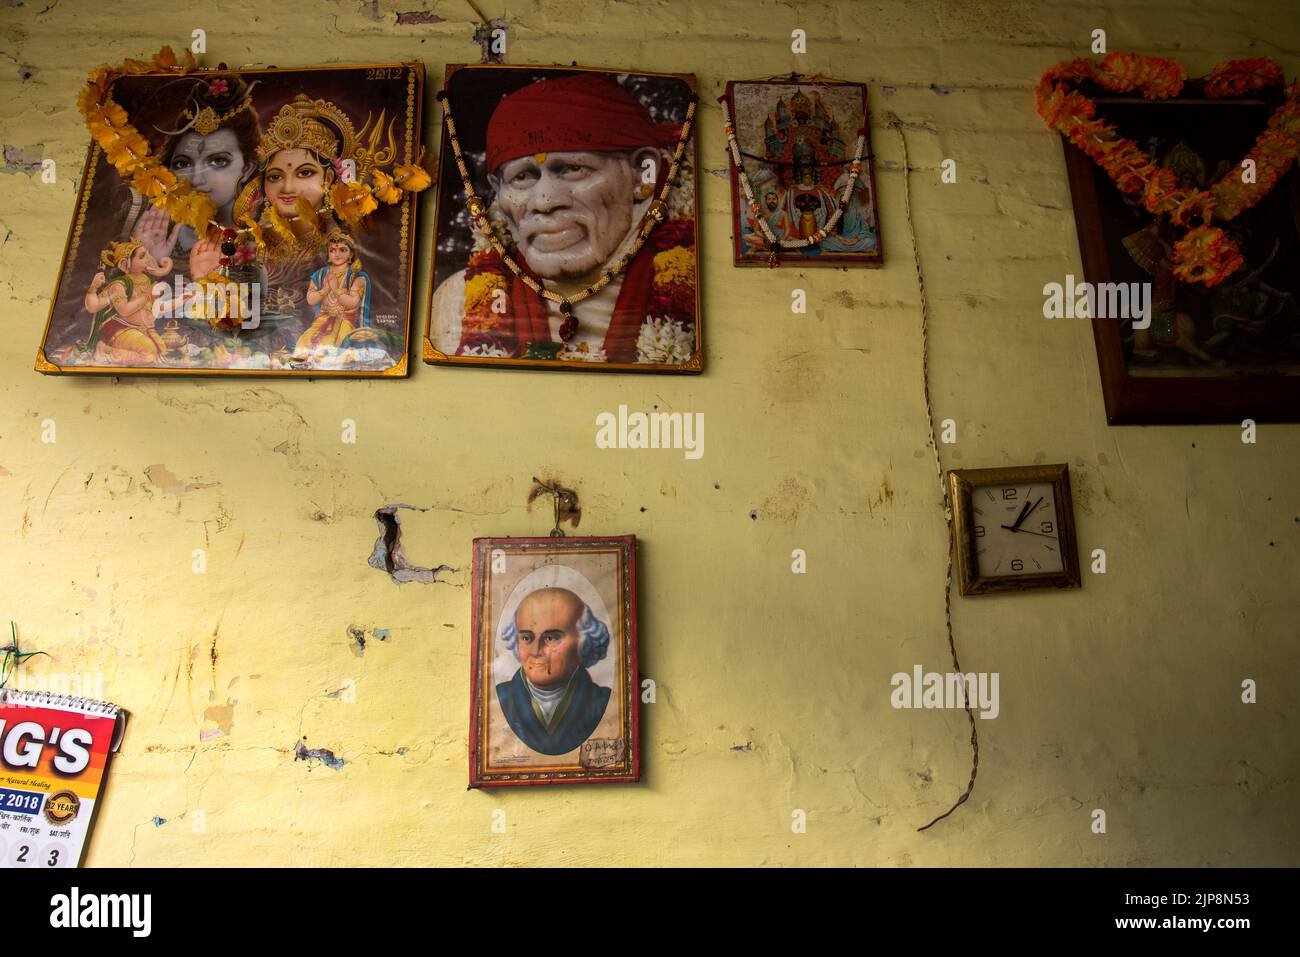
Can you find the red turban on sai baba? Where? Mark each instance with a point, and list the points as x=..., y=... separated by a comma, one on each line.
x=585, y=112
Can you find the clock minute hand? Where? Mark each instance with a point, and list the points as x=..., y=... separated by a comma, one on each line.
x=1026, y=512
x=1025, y=531
x=1021, y=517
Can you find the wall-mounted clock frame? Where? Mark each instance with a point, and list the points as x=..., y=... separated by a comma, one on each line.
x=964, y=484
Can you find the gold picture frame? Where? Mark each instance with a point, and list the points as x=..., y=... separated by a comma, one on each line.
x=456, y=242
x=962, y=484
x=400, y=107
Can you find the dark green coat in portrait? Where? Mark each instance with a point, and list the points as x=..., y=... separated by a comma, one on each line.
x=572, y=722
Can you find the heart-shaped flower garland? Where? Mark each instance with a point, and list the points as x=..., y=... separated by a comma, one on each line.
x=1205, y=254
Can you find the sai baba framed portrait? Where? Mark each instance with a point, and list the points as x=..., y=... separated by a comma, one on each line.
x=565, y=232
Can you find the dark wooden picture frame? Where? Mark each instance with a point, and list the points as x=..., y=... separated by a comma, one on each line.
x=1173, y=398
x=962, y=482
x=508, y=743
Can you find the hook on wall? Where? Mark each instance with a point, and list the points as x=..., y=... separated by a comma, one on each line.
x=564, y=499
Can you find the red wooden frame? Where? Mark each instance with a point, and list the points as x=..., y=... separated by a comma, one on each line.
x=480, y=776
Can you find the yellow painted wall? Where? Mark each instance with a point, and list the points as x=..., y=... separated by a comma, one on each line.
x=773, y=688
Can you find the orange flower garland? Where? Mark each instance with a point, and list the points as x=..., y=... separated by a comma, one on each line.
x=129, y=152
x=1205, y=254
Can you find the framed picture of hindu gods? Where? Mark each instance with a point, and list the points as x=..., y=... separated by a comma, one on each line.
x=555, y=688
x=566, y=221
x=299, y=259
x=803, y=180
x=1189, y=352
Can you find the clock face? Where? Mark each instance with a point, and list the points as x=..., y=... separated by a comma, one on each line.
x=1016, y=529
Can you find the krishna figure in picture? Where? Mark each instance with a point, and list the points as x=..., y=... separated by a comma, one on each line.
x=581, y=250
x=225, y=218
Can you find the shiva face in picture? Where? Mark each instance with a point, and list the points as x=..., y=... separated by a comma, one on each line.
x=214, y=147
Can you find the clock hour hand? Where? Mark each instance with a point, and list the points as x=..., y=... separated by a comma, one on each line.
x=1024, y=514
x=1021, y=517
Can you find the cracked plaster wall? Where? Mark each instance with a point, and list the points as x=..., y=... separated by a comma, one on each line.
x=295, y=705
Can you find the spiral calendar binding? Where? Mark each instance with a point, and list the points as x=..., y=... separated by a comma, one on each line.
x=49, y=699
x=69, y=702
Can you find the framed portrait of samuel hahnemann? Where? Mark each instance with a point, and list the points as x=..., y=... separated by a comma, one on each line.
x=565, y=233
x=242, y=222
x=803, y=181
x=554, y=688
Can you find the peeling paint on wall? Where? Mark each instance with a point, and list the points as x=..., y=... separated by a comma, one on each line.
x=324, y=755
x=162, y=477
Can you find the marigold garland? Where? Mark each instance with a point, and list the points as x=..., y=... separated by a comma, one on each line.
x=128, y=151
x=1205, y=254
x=671, y=304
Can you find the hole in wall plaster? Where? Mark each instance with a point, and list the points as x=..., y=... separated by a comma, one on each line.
x=417, y=17
x=324, y=755
x=483, y=37
x=388, y=555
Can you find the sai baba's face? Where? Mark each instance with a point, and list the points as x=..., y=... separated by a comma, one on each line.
x=213, y=164
x=546, y=626
x=293, y=173
x=569, y=212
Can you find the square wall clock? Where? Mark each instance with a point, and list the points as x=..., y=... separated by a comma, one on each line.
x=1014, y=529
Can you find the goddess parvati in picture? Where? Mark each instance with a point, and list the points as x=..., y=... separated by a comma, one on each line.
x=302, y=155
x=551, y=702
x=573, y=164
x=803, y=171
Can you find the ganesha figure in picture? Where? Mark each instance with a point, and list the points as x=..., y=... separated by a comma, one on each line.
x=573, y=164
x=123, y=304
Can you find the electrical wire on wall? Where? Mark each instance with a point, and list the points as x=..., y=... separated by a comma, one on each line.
x=897, y=124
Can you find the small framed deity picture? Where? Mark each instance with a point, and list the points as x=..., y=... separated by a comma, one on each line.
x=555, y=688
x=1174, y=351
x=803, y=180
x=566, y=221
x=243, y=222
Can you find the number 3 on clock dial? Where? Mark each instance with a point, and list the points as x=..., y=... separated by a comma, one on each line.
x=1016, y=530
